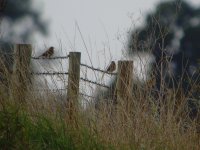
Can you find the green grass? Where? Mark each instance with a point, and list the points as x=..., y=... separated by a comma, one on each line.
x=19, y=130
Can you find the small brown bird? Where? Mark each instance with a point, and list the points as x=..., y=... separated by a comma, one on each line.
x=48, y=53
x=111, y=68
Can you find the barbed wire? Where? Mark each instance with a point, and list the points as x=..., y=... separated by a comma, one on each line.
x=85, y=95
x=49, y=73
x=63, y=89
x=96, y=69
x=56, y=57
x=93, y=82
x=51, y=90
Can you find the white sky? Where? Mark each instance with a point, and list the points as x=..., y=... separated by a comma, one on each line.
x=103, y=23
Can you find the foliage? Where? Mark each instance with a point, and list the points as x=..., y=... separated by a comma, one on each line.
x=19, y=130
x=171, y=34
x=21, y=20
x=172, y=30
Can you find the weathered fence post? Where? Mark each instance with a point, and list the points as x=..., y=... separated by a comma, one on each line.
x=124, y=83
x=73, y=84
x=21, y=70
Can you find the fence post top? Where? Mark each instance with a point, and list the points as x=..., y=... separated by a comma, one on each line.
x=74, y=52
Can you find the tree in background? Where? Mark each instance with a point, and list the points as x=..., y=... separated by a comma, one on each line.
x=19, y=22
x=171, y=33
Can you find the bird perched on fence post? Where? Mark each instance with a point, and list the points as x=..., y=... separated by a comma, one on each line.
x=111, y=68
x=48, y=53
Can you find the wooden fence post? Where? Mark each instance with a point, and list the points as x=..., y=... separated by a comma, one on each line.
x=21, y=70
x=124, y=83
x=73, y=84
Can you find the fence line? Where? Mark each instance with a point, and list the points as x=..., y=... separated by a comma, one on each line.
x=66, y=73
x=49, y=73
x=51, y=90
x=56, y=57
x=82, y=94
x=63, y=89
x=21, y=73
x=96, y=69
x=93, y=82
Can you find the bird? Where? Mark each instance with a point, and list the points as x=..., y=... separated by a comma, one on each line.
x=111, y=68
x=48, y=53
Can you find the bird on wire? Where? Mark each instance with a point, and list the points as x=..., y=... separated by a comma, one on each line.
x=48, y=53
x=111, y=68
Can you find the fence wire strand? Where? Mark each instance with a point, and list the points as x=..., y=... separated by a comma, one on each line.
x=64, y=90
x=49, y=73
x=93, y=82
x=85, y=95
x=50, y=90
x=56, y=57
x=100, y=70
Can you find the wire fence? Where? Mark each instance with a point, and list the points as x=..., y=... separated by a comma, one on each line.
x=56, y=57
x=49, y=73
x=93, y=82
x=72, y=91
x=97, y=69
x=63, y=90
x=55, y=73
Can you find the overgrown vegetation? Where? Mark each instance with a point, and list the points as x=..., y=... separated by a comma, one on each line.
x=40, y=122
x=157, y=116
x=21, y=129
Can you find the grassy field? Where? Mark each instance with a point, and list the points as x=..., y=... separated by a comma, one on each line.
x=41, y=123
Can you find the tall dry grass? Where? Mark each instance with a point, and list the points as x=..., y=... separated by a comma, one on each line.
x=149, y=122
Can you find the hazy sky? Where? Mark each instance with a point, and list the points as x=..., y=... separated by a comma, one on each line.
x=96, y=28
x=103, y=24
